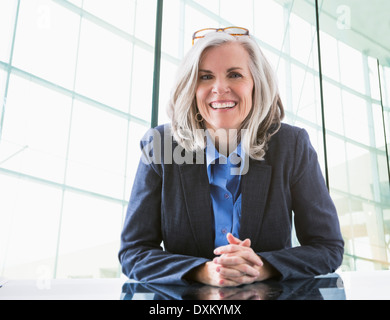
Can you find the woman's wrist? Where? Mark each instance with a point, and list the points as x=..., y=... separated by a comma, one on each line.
x=198, y=274
x=266, y=271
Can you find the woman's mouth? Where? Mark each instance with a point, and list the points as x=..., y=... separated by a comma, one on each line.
x=216, y=105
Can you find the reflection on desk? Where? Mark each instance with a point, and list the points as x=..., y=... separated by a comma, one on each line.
x=328, y=287
x=353, y=285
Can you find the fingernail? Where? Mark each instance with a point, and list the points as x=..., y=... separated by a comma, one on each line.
x=216, y=251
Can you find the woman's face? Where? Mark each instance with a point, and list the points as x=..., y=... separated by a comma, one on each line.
x=225, y=86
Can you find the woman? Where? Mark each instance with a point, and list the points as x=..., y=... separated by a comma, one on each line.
x=217, y=187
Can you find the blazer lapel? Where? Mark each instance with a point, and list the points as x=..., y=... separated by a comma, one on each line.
x=198, y=202
x=254, y=192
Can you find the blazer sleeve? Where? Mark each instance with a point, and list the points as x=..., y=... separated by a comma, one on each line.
x=317, y=226
x=141, y=254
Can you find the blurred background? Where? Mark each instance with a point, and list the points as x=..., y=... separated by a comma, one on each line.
x=77, y=80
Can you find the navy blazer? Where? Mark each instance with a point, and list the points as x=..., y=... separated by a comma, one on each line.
x=168, y=229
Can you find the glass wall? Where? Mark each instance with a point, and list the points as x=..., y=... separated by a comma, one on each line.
x=384, y=77
x=76, y=82
x=75, y=92
x=356, y=150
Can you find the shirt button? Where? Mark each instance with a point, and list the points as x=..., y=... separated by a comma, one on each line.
x=227, y=196
x=224, y=231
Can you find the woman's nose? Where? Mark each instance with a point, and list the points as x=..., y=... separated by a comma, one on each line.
x=220, y=87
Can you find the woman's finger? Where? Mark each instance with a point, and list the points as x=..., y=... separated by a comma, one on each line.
x=229, y=260
x=233, y=240
x=230, y=248
x=235, y=250
x=243, y=270
x=246, y=243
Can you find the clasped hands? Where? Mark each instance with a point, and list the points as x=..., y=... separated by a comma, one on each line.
x=235, y=265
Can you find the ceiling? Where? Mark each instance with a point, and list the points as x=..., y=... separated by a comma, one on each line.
x=362, y=24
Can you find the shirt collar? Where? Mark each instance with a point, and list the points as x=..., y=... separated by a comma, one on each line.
x=212, y=154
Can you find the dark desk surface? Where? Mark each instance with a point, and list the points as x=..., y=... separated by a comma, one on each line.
x=359, y=285
x=325, y=288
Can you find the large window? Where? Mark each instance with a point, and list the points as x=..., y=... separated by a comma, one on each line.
x=75, y=92
x=76, y=87
x=356, y=151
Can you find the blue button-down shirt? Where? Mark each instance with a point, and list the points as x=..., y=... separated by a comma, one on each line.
x=225, y=187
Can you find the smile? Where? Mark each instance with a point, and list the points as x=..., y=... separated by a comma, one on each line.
x=223, y=105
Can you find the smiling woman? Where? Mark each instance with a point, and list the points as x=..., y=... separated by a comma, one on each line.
x=224, y=93
x=219, y=226
x=218, y=70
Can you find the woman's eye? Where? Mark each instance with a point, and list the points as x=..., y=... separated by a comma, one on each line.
x=205, y=77
x=235, y=75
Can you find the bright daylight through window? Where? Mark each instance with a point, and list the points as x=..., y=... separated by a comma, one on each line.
x=76, y=87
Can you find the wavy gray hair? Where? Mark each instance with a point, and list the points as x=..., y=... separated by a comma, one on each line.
x=267, y=111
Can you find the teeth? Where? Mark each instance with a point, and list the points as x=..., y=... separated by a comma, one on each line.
x=224, y=105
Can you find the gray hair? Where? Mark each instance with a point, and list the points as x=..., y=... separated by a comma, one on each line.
x=262, y=121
